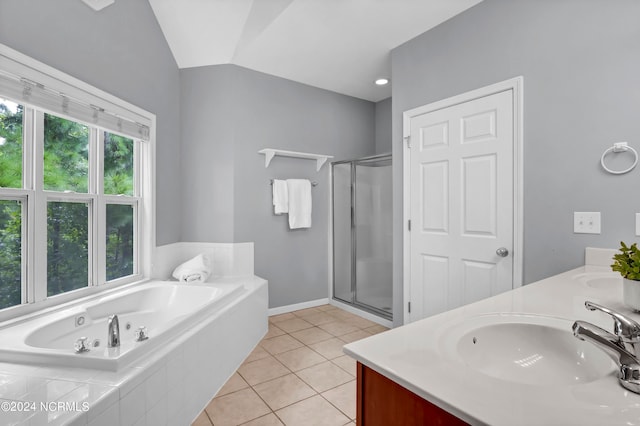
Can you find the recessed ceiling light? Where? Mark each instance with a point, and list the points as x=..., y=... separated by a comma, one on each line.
x=382, y=81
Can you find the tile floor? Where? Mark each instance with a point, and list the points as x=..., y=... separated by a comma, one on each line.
x=297, y=375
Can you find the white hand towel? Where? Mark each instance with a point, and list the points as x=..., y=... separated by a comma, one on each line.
x=299, y=203
x=280, y=196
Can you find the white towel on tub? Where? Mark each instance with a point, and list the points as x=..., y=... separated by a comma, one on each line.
x=299, y=203
x=197, y=269
x=280, y=196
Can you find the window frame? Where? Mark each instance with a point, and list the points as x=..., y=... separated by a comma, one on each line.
x=34, y=198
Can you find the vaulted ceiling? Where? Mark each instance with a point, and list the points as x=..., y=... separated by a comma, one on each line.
x=338, y=45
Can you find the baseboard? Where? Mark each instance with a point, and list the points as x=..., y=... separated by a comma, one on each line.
x=297, y=306
x=363, y=314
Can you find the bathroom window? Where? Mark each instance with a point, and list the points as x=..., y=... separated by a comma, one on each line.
x=11, y=124
x=76, y=188
x=120, y=240
x=11, y=293
x=67, y=246
x=11, y=212
x=118, y=164
x=66, y=155
x=81, y=181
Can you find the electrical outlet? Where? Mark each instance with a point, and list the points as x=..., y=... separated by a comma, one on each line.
x=586, y=222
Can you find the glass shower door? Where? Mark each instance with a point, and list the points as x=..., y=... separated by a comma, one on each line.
x=373, y=234
x=362, y=234
x=342, y=253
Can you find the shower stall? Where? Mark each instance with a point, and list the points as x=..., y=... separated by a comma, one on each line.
x=362, y=234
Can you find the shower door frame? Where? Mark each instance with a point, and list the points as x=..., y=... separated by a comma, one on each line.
x=354, y=279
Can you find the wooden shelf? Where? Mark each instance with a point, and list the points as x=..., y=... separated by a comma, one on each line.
x=269, y=153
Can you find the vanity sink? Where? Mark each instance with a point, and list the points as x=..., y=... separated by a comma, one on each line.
x=527, y=349
x=605, y=280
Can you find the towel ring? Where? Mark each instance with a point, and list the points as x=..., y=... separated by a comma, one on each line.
x=620, y=147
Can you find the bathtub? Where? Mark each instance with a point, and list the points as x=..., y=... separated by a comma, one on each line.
x=166, y=309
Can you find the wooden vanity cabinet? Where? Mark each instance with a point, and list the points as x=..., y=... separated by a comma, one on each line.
x=383, y=402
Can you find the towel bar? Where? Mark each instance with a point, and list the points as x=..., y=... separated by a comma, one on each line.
x=313, y=183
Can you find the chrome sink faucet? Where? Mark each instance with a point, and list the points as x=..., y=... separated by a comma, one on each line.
x=626, y=329
x=622, y=345
x=113, y=334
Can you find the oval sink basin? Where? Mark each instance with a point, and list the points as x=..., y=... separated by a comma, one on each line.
x=528, y=349
x=610, y=280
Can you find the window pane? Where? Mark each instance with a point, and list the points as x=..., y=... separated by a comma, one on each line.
x=67, y=240
x=118, y=164
x=66, y=155
x=10, y=253
x=119, y=240
x=10, y=144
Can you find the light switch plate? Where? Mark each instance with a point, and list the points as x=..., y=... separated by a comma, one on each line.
x=638, y=224
x=586, y=222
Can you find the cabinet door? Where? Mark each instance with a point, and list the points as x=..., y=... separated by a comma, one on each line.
x=383, y=402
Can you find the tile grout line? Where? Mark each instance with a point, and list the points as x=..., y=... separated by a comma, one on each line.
x=208, y=417
x=326, y=390
x=317, y=393
x=265, y=403
x=344, y=320
x=276, y=378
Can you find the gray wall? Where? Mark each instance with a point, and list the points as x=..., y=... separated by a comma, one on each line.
x=581, y=69
x=120, y=50
x=384, y=134
x=227, y=195
x=207, y=101
x=211, y=183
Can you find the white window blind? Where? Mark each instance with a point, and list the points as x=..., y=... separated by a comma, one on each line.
x=41, y=90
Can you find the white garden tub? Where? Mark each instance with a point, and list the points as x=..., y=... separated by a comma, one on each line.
x=166, y=309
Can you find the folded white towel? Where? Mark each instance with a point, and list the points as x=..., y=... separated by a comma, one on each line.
x=197, y=269
x=280, y=196
x=299, y=203
x=193, y=277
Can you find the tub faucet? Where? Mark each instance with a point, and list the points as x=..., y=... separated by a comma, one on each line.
x=620, y=345
x=113, y=333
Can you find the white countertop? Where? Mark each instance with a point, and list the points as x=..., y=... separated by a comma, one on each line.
x=415, y=357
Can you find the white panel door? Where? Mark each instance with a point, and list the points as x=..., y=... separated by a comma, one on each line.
x=462, y=204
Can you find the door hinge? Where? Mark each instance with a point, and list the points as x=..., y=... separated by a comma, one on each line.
x=408, y=139
x=409, y=224
x=409, y=307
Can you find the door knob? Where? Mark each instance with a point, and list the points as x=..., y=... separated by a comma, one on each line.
x=502, y=252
